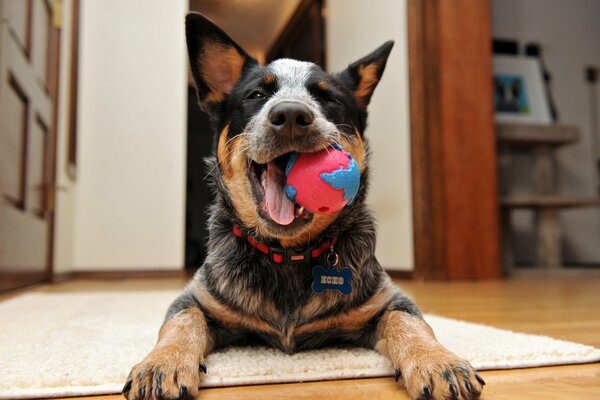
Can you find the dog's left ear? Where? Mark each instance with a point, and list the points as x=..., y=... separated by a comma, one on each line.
x=217, y=62
x=363, y=75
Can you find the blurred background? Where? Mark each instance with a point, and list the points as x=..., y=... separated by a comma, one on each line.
x=484, y=132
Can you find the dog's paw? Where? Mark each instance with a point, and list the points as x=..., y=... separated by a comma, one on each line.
x=440, y=375
x=165, y=373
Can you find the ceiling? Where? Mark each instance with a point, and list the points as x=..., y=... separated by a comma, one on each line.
x=253, y=24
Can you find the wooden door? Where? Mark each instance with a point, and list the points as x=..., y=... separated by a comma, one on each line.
x=28, y=82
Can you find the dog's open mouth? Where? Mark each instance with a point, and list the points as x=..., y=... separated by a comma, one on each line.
x=268, y=185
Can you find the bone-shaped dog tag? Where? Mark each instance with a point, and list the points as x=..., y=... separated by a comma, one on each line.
x=331, y=279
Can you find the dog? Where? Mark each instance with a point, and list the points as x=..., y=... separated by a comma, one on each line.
x=255, y=284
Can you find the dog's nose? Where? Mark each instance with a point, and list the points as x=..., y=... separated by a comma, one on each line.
x=290, y=118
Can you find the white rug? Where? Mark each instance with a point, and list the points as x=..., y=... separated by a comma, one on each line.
x=85, y=343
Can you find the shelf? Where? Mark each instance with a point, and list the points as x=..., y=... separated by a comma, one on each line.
x=527, y=136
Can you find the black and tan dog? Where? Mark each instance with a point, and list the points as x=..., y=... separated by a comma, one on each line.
x=255, y=285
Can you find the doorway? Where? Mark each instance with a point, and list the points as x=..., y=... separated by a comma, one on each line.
x=294, y=29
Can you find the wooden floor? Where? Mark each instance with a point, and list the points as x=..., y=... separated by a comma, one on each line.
x=567, y=309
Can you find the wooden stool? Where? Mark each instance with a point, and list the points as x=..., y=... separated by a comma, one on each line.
x=541, y=141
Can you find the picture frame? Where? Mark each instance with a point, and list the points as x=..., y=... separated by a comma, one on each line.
x=519, y=92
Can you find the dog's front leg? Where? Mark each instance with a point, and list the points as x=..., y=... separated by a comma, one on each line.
x=172, y=369
x=428, y=369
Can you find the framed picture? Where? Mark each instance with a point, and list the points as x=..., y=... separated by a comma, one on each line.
x=519, y=93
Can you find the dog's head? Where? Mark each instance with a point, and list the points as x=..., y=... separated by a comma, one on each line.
x=264, y=113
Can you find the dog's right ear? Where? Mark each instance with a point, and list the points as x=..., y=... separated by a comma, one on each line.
x=217, y=62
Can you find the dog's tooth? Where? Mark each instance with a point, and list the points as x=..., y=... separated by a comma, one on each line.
x=300, y=210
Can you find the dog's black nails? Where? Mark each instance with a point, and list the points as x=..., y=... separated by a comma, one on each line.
x=127, y=387
x=158, y=378
x=397, y=374
x=427, y=392
x=142, y=393
x=202, y=366
x=480, y=380
x=447, y=376
x=183, y=392
x=469, y=387
x=453, y=391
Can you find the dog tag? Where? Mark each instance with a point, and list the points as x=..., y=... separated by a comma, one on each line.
x=331, y=279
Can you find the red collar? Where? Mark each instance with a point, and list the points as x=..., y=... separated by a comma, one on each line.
x=287, y=255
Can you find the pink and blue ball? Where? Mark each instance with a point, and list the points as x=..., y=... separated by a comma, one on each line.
x=322, y=182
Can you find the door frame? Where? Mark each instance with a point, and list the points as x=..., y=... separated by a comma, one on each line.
x=453, y=141
x=54, y=90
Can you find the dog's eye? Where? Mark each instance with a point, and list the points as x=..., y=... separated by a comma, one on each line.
x=257, y=95
x=326, y=96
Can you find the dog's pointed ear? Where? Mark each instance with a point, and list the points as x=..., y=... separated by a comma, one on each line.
x=216, y=61
x=363, y=75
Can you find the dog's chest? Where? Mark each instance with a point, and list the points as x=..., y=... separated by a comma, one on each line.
x=300, y=322
x=282, y=308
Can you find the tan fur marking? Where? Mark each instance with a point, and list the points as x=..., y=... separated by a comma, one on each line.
x=223, y=155
x=221, y=68
x=234, y=169
x=183, y=342
x=227, y=316
x=355, y=146
x=353, y=319
x=269, y=78
x=252, y=301
x=318, y=304
x=323, y=85
x=368, y=80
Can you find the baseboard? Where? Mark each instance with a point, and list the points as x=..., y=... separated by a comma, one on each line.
x=120, y=274
x=404, y=275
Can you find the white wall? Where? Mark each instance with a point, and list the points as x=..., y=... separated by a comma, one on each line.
x=130, y=188
x=354, y=29
x=568, y=32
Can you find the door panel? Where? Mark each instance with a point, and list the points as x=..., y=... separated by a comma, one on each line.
x=40, y=31
x=13, y=142
x=23, y=246
x=26, y=125
x=36, y=170
x=18, y=15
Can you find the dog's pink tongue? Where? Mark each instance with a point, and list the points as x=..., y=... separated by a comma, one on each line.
x=280, y=208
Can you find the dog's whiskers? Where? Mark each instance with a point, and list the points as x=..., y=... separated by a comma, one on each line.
x=241, y=150
x=229, y=152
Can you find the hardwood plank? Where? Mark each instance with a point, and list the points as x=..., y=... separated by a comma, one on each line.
x=564, y=308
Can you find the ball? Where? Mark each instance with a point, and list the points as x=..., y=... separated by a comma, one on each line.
x=322, y=182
